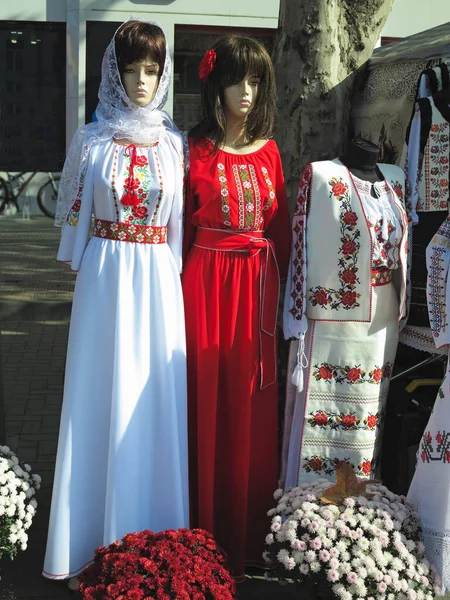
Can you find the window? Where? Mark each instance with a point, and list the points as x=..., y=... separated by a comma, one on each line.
x=190, y=45
x=32, y=96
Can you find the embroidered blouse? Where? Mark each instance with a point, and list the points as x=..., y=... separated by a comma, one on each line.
x=157, y=184
x=386, y=227
x=238, y=192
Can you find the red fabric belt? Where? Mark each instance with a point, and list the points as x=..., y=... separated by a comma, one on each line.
x=381, y=277
x=253, y=243
x=127, y=232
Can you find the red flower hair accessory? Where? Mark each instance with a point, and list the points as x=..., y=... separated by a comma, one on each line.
x=207, y=64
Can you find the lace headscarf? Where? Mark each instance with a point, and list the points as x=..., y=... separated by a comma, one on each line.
x=118, y=117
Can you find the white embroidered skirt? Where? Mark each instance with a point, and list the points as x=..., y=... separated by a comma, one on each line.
x=430, y=487
x=339, y=414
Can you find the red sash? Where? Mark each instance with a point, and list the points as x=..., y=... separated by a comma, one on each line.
x=254, y=242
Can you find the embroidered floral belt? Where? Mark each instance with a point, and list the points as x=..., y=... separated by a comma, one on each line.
x=253, y=243
x=382, y=277
x=127, y=232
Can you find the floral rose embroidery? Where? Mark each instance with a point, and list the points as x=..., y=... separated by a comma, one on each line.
x=140, y=212
x=141, y=161
x=372, y=421
x=348, y=248
x=349, y=298
x=315, y=464
x=345, y=296
x=348, y=421
x=321, y=297
x=131, y=183
x=366, y=467
x=350, y=218
x=377, y=374
x=353, y=374
x=325, y=372
x=349, y=277
x=320, y=419
x=338, y=189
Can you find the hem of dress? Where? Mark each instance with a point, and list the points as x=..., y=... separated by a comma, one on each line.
x=62, y=576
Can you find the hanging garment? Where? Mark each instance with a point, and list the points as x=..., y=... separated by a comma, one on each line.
x=430, y=488
x=237, y=237
x=345, y=296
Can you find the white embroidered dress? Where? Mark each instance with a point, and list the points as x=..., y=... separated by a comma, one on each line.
x=122, y=452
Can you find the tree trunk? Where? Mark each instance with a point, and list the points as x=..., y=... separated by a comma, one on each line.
x=320, y=46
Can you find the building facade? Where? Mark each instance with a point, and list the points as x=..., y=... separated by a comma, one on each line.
x=51, y=62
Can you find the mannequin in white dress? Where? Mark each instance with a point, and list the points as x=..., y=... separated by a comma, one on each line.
x=122, y=452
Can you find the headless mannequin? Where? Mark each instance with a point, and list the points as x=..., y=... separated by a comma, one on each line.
x=360, y=158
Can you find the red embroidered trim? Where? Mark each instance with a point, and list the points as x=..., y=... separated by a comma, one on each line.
x=381, y=277
x=126, y=232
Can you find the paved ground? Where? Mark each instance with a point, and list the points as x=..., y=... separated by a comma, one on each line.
x=35, y=302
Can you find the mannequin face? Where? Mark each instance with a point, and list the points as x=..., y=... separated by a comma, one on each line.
x=140, y=81
x=241, y=97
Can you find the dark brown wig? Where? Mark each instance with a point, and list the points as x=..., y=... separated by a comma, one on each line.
x=136, y=40
x=236, y=57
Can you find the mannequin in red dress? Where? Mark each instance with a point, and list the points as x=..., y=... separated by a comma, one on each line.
x=237, y=244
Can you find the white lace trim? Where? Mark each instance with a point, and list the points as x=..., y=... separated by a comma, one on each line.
x=420, y=338
x=437, y=550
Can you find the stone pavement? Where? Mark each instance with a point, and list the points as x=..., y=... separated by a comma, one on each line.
x=35, y=303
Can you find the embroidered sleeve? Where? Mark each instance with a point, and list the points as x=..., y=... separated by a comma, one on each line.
x=438, y=260
x=75, y=233
x=294, y=301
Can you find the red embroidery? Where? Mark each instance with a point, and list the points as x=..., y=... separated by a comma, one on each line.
x=126, y=232
x=323, y=420
x=346, y=296
x=350, y=375
x=297, y=277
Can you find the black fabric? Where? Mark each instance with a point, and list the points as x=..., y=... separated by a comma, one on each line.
x=444, y=76
x=429, y=223
x=426, y=118
x=432, y=80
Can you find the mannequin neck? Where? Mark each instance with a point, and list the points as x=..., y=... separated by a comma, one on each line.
x=361, y=158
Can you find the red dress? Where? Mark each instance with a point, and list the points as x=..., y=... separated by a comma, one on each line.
x=236, y=203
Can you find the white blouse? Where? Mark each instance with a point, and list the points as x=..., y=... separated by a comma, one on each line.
x=382, y=218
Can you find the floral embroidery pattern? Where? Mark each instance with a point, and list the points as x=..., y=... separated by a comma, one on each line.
x=436, y=167
x=161, y=188
x=126, y=232
x=398, y=189
x=437, y=279
x=440, y=451
x=351, y=375
x=140, y=183
x=322, y=464
x=249, y=198
x=224, y=193
x=345, y=421
x=298, y=260
x=346, y=296
x=74, y=213
x=270, y=187
x=387, y=250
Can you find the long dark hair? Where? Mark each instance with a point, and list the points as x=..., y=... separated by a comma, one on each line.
x=136, y=40
x=237, y=56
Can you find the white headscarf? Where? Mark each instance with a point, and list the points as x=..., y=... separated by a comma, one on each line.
x=118, y=117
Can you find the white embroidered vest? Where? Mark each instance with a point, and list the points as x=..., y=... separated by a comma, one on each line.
x=339, y=245
x=433, y=182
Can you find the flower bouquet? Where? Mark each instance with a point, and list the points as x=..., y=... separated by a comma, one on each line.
x=183, y=565
x=354, y=539
x=17, y=505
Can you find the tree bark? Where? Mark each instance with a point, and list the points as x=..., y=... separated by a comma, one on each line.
x=320, y=46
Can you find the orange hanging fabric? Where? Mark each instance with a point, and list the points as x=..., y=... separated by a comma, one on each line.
x=131, y=184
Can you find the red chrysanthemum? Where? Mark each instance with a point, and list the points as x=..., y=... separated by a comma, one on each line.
x=183, y=564
x=207, y=64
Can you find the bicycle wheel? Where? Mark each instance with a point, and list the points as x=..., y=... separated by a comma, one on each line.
x=3, y=195
x=47, y=196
